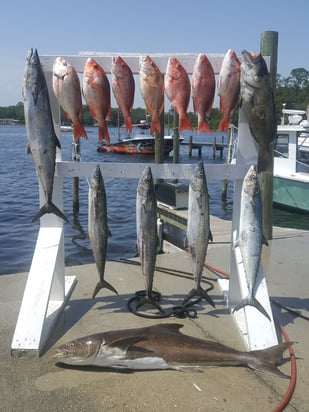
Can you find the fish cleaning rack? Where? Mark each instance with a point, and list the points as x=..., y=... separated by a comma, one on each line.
x=48, y=289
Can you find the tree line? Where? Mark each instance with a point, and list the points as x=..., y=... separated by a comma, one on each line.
x=292, y=90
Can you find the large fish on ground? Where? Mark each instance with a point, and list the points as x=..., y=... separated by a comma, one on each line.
x=97, y=93
x=250, y=237
x=178, y=89
x=146, y=232
x=228, y=88
x=198, y=228
x=97, y=226
x=67, y=90
x=257, y=101
x=123, y=87
x=203, y=86
x=163, y=347
x=152, y=90
x=41, y=136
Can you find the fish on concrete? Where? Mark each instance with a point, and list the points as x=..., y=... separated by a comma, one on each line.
x=178, y=89
x=97, y=226
x=67, y=90
x=163, y=346
x=41, y=136
x=123, y=87
x=228, y=88
x=152, y=90
x=203, y=86
x=257, y=102
x=198, y=229
x=250, y=238
x=96, y=91
x=146, y=232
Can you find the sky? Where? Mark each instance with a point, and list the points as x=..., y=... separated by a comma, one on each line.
x=68, y=27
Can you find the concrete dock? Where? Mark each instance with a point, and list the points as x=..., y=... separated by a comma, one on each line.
x=37, y=384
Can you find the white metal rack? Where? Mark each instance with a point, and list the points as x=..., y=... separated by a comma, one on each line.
x=48, y=289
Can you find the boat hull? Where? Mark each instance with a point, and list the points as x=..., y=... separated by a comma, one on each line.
x=145, y=146
x=291, y=194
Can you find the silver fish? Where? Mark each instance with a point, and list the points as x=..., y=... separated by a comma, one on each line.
x=163, y=347
x=250, y=237
x=146, y=231
x=198, y=228
x=97, y=226
x=41, y=136
x=257, y=101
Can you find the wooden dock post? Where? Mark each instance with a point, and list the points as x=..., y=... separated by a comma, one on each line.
x=75, y=182
x=269, y=47
x=190, y=146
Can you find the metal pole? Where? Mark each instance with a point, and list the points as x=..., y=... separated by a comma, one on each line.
x=75, y=183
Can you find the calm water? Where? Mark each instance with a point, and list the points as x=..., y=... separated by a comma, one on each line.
x=19, y=202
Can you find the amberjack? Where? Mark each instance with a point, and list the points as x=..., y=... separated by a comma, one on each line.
x=41, y=136
x=163, y=346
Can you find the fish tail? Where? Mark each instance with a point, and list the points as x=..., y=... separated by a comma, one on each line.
x=267, y=359
x=103, y=284
x=128, y=123
x=149, y=300
x=199, y=292
x=203, y=126
x=79, y=131
x=223, y=125
x=184, y=123
x=103, y=133
x=265, y=161
x=155, y=126
x=251, y=301
x=49, y=207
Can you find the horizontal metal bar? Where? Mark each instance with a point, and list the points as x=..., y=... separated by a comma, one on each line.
x=159, y=170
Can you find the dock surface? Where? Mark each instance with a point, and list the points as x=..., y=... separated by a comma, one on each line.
x=37, y=384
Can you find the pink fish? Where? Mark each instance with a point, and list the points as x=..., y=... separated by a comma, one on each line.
x=203, y=88
x=96, y=91
x=177, y=89
x=67, y=90
x=152, y=90
x=228, y=88
x=123, y=87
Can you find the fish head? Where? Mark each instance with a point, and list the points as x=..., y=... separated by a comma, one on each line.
x=147, y=66
x=253, y=68
x=250, y=183
x=92, y=71
x=96, y=179
x=231, y=61
x=33, y=71
x=79, y=351
x=198, y=178
x=175, y=69
x=145, y=185
x=119, y=67
x=60, y=68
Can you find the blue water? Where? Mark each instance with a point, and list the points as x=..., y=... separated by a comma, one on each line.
x=19, y=201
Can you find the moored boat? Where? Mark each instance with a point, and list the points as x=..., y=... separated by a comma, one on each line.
x=291, y=162
x=139, y=144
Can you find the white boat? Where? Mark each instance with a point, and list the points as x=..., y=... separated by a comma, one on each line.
x=291, y=161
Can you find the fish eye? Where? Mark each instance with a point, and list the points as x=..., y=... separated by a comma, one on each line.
x=71, y=344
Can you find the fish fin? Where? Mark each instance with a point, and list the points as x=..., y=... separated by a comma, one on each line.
x=28, y=150
x=267, y=359
x=171, y=327
x=185, y=368
x=49, y=207
x=121, y=346
x=58, y=142
x=223, y=125
x=184, y=123
x=199, y=293
x=251, y=301
x=103, y=284
x=264, y=241
x=203, y=126
x=79, y=131
x=103, y=133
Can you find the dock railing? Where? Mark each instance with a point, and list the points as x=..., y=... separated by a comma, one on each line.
x=48, y=289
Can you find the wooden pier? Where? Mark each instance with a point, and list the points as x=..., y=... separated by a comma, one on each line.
x=216, y=147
